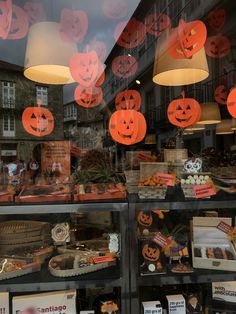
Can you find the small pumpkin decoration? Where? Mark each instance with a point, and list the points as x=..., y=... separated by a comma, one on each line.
x=99, y=46
x=35, y=12
x=216, y=19
x=217, y=46
x=184, y=112
x=145, y=218
x=88, y=97
x=127, y=126
x=151, y=252
x=157, y=23
x=114, y=9
x=74, y=25
x=84, y=68
x=128, y=99
x=231, y=102
x=124, y=66
x=19, y=25
x=5, y=18
x=221, y=94
x=130, y=34
x=38, y=121
x=109, y=307
x=187, y=39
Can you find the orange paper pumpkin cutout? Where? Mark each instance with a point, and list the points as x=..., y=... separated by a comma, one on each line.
x=84, y=68
x=231, y=102
x=127, y=126
x=217, y=46
x=157, y=23
x=99, y=46
x=38, y=121
x=216, y=19
x=114, y=9
x=74, y=25
x=128, y=99
x=130, y=34
x=19, y=25
x=88, y=97
x=35, y=12
x=221, y=95
x=124, y=66
x=187, y=39
x=184, y=112
x=5, y=18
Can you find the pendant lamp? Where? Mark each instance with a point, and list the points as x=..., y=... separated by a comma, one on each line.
x=169, y=71
x=225, y=127
x=210, y=113
x=47, y=55
x=195, y=127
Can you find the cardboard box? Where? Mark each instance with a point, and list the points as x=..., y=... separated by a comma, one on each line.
x=206, y=235
x=152, y=307
x=52, y=302
x=176, y=304
x=4, y=303
x=224, y=291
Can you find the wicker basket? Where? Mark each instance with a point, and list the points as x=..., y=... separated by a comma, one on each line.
x=175, y=155
x=152, y=192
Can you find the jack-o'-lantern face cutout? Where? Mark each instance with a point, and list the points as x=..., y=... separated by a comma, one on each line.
x=38, y=121
x=221, y=95
x=216, y=19
x=217, y=46
x=74, y=25
x=124, y=66
x=157, y=23
x=131, y=34
x=231, y=102
x=114, y=9
x=99, y=46
x=127, y=126
x=128, y=99
x=184, y=112
x=35, y=12
x=145, y=219
x=151, y=252
x=109, y=307
x=19, y=25
x=88, y=97
x=187, y=39
x=84, y=68
x=5, y=18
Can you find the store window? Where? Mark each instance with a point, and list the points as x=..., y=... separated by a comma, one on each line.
x=151, y=109
x=8, y=125
x=70, y=112
x=8, y=94
x=42, y=94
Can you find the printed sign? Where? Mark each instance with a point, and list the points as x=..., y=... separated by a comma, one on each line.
x=169, y=179
x=224, y=227
x=161, y=240
x=224, y=291
x=204, y=190
x=102, y=259
x=55, y=157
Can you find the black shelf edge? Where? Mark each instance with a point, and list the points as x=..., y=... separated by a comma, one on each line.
x=47, y=208
x=198, y=276
x=44, y=281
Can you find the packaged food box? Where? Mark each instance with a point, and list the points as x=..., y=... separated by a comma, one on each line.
x=152, y=307
x=52, y=302
x=176, y=304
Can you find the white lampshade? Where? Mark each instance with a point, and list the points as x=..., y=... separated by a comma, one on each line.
x=169, y=71
x=210, y=113
x=47, y=55
x=195, y=127
x=225, y=127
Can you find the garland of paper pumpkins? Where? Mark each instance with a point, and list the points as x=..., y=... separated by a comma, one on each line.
x=127, y=126
x=88, y=71
x=184, y=112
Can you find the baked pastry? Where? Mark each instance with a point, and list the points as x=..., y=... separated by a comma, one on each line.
x=182, y=268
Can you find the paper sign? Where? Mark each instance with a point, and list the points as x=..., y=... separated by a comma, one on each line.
x=204, y=190
x=224, y=227
x=161, y=240
x=102, y=259
x=169, y=179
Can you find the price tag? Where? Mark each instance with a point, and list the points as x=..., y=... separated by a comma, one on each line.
x=102, y=259
x=169, y=179
x=204, y=190
x=224, y=227
x=161, y=240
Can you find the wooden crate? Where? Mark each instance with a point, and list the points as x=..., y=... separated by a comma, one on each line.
x=148, y=169
x=175, y=155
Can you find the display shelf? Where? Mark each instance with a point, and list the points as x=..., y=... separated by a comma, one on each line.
x=46, y=208
x=198, y=276
x=44, y=281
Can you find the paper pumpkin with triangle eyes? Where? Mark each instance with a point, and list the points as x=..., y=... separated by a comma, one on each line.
x=216, y=19
x=35, y=12
x=151, y=257
x=88, y=97
x=145, y=221
x=124, y=66
x=157, y=23
x=128, y=99
x=19, y=24
x=217, y=46
x=221, y=94
x=38, y=121
x=187, y=39
x=5, y=18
